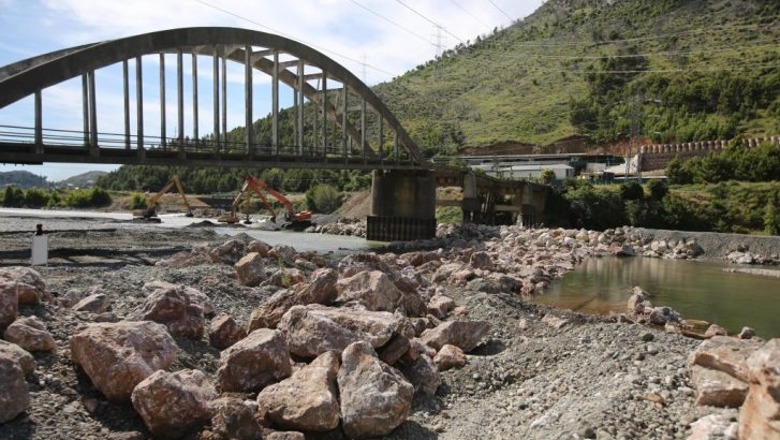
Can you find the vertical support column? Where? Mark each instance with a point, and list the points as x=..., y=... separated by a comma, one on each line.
x=195, y=134
x=216, y=101
x=180, y=99
x=324, y=114
x=93, y=128
x=381, y=138
x=250, y=137
x=126, y=93
x=139, y=107
x=395, y=147
x=363, y=145
x=163, y=141
x=224, y=101
x=344, y=109
x=403, y=206
x=275, y=104
x=85, y=107
x=299, y=115
x=315, y=126
x=38, y=148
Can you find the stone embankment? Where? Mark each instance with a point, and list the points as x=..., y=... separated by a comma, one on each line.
x=425, y=341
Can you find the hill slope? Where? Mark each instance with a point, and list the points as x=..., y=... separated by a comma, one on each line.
x=674, y=70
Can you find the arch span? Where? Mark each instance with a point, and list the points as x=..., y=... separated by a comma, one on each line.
x=305, y=70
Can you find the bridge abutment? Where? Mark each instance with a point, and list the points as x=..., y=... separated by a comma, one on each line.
x=403, y=205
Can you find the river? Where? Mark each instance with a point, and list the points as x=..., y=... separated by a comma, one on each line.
x=698, y=290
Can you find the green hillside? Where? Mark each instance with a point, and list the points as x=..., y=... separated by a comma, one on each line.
x=668, y=69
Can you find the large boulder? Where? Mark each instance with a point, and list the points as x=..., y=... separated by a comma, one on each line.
x=170, y=305
x=224, y=331
x=9, y=303
x=30, y=334
x=233, y=419
x=118, y=356
x=320, y=289
x=254, y=362
x=229, y=252
x=716, y=388
x=28, y=283
x=440, y=305
x=306, y=401
x=760, y=415
x=95, y=303
x=315, y=329
x=170, y=404
x=465, y=335
x=14, y=396
x=422, y=373
x=372, y=289
x=725, y=354
x=375, y=397
x=250, y=269
x=449, y=356
x=20, y=355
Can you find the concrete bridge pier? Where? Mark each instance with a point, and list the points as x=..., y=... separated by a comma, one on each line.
x=403, y=205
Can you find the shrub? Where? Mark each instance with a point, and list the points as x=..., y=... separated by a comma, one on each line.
x=323, y=198
x=36, y=198
x=137, y=201
x=658, y=189
x=632, y=190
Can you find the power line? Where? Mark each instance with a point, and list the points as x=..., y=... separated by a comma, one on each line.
x=394, y=23
x=501, y=10
x=323, y=49
x=470, y=14
x=429, y=20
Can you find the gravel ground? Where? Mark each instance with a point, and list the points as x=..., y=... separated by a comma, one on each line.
x=590, y=378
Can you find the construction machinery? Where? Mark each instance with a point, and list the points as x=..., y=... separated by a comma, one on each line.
x=292, y=220
x=149, y=214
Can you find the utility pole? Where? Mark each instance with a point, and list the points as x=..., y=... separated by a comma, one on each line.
x=439, y=46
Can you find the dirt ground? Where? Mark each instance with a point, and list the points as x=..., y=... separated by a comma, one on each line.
x=589, y=378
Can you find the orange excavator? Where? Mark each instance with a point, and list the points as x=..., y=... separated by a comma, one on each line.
x=293, y=220
x=149, y=214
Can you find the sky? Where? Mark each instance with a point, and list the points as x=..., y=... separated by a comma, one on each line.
x=376, y=40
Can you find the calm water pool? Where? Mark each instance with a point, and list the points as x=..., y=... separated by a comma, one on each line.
x=698, y=290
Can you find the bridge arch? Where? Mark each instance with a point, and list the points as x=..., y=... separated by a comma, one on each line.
x=359, y=146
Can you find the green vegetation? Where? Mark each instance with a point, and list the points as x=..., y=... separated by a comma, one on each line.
x=667, y=70
x=39, y=198
x=738, y=207
x=137, y=201
x=323, y=198
x=737, y=162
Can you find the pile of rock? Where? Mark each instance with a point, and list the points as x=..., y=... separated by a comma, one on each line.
x=343, y=226
x=342, y=345
x=19, y=286
x=744, y=256
x=738, y=373
x=642, y=310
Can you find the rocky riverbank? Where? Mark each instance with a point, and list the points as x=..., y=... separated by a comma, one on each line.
x=428, y=340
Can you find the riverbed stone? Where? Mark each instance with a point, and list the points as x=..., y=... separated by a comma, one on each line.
x=448, y=357
x=9, y=303
x=465, y=335
x=715, y=330
x=118, y=356
x=170, y=305
x=14, y=395
x=725, y=354
x=229, y=252
x=716, y=388
x=372, y=289
x=224, y=331
x=254, y=362
x=306, y=401
x=760, y=415
x=234, y=419
x=250, y=270
x=170, y=404
x=95, y=303
x=20, y=355
x=375, y=397
x=29, y=284
x=314, y=329
x=30, y=333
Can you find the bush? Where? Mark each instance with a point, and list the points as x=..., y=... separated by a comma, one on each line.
x=13, y=197
x=323, y=198
x=632, y=191
x=658, y=189
x=88, y=198
x=137, y=201
x=36, y=198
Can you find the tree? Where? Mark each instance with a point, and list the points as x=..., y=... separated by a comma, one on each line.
x=547, y=176
x=658, y=189
x=632, y=190
x=771, y=222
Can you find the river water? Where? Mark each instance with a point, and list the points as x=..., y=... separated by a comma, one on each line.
x=698, y=290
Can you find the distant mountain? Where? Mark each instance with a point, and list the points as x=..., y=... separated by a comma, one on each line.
x=22, y=179
x=84, y=180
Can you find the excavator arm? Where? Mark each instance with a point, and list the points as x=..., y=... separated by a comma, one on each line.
x=151, y=203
